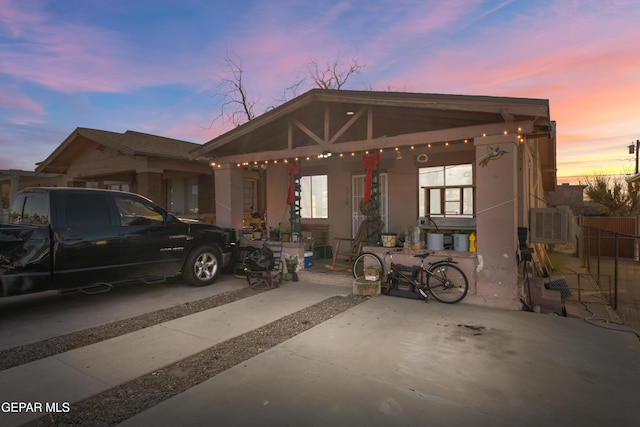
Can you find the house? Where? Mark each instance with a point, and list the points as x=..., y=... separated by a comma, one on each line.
x=157, y=167
x=451, y=165
x=448, y=163
x=12, y=180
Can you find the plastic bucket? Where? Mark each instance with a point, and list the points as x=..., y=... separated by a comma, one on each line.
x=435, y=241
x=461, y=242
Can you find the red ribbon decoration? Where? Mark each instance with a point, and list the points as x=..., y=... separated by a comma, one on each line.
x=369, y=163
x=293, y=169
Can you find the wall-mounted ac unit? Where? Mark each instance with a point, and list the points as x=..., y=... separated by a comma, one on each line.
x=548, y=225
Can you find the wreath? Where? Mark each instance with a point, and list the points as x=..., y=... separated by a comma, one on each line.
x=369, y=208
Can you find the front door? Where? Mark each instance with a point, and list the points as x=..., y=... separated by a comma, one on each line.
x=357, y=195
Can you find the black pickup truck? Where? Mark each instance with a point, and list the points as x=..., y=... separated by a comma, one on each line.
x=88, y=240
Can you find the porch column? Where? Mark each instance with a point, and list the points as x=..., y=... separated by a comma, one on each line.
x=496, y=220
x=14, y=187
x=149, y=184
x=229, y=196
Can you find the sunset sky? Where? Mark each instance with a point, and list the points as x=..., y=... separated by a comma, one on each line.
x=152, y=65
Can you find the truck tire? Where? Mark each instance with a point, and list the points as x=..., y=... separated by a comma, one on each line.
x=202, y=266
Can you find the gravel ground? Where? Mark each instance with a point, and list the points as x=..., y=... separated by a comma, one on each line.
x=122, y=402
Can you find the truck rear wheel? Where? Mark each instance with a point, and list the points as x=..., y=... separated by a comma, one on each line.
x=202, y=266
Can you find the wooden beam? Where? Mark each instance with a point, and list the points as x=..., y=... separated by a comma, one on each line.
x=455, y=134
x=311, y=135
x=347, y=125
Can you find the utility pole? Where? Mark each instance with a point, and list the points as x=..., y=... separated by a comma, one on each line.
x=635, y=149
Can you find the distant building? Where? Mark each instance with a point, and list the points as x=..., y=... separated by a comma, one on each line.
x=568, y=195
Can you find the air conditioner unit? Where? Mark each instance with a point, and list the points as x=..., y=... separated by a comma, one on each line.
x=548, y=225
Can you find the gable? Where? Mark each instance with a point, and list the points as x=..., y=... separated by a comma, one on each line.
x=347, y=121
x=85, y=144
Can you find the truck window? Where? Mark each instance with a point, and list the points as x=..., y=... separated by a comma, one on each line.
x=30, y=208
x=87, y=210
x=134, y=212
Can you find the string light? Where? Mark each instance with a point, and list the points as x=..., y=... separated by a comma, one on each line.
x=263, y=163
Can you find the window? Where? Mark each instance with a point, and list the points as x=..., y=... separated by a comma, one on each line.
x=87, y=210
x=447, y=191
x=119, y=187
x=250, y=195
x=314, y=192
x=134, y=212
x=183, y=195
x=6, y=196
x=30, y=208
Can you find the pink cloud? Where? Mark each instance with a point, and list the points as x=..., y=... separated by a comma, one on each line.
x=70, y=58
x=19, y=104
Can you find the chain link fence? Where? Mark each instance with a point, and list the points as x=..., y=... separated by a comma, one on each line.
x=607, y=253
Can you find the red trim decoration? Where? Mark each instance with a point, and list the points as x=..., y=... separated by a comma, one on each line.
x=370, y=162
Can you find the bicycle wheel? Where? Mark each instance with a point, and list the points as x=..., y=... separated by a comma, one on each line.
x=366, y=260
x=447, y=283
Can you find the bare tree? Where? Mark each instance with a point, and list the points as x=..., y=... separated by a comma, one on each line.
x=334, y=75
x=237, y=106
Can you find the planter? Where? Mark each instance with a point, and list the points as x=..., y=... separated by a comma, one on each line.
x=389, y=240
x=286, y=237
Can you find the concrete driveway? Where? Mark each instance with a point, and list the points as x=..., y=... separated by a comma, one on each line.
x=388, y=361
x=395, y=361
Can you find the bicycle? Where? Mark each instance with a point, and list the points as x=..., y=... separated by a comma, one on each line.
x=443, y=279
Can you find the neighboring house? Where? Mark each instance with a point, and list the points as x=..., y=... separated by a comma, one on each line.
x=568, y=195
x=157, y=167
x=466, y=163
x=12, y=180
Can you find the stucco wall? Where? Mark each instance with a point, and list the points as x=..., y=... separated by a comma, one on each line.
x=496, y=221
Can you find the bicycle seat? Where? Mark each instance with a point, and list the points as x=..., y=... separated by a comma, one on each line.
x=422, y=256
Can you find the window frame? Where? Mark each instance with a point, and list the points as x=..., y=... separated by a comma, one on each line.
x=181, y=196
x=444, y=200
x=309, y=193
